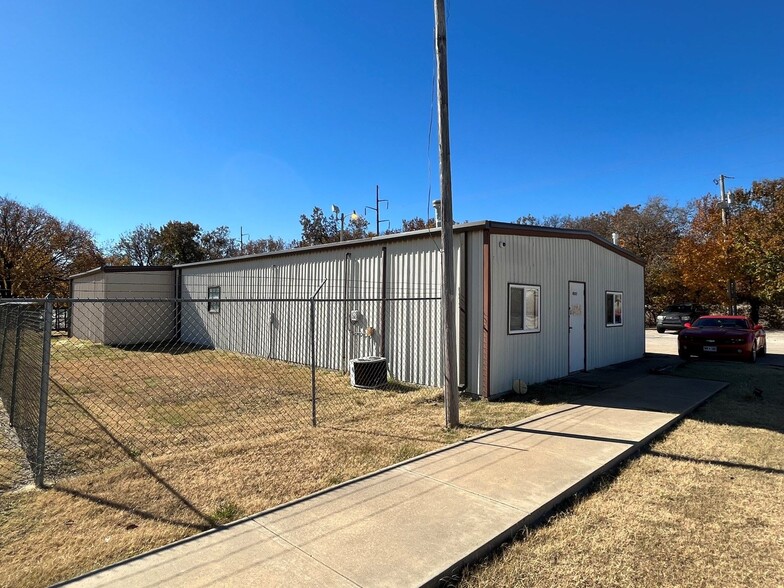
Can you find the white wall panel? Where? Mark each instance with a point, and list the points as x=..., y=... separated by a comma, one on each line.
x=551, y=263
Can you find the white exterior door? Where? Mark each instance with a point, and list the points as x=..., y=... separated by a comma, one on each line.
x=576, y=326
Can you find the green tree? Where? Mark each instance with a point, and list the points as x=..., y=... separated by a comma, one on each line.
x=180, y=243
x=140, y=246
x=319, y=228
x=418, y=223
x=266, y=245
x=38, y=251
x=218, y=244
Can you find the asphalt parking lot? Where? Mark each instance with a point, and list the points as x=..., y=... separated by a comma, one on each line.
x=667, y=343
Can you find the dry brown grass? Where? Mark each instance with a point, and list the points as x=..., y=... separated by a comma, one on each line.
x=148, y=469
x=702, y=507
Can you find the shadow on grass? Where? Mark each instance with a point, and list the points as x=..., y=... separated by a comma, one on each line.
x=171, y=347
x=754, y=398
x=716, y=462
x=132, y=456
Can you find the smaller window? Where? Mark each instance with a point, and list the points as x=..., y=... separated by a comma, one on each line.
x=213, y=299
x=613, y=308
x=523, y=309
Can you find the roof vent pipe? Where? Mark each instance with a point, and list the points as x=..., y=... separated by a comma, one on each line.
x=615, y=237
x=437, y=207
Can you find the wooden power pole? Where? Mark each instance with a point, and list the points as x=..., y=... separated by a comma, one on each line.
x=726, y=201
x=451, y=396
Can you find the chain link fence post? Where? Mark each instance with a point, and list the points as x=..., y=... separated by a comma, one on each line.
x=15, y=373
x=2, y=350
x=44, y=396
x=313, y=351
x=313, y=359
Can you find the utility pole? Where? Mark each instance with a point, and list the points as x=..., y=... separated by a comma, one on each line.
x=241, y=236
x=726, y=201
x=451, y=397
x=378, y=214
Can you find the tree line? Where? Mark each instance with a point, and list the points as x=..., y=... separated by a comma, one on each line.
x=689, y=254
x=38, y=252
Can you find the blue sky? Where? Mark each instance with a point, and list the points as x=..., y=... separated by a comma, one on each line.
x=120, y=113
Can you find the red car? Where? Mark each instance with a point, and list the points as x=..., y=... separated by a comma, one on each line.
x=722, y=336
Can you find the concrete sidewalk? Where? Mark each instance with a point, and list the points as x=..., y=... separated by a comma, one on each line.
x=421, y=520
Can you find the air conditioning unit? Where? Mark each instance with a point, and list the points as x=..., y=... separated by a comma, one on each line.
x=368, y=372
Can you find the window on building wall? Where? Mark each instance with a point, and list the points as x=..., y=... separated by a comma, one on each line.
x=213, y=299
x=524, y=309
x=613, y=309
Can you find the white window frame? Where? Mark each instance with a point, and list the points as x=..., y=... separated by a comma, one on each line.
x=617, y=298
x=524, y=288
x=213, y=302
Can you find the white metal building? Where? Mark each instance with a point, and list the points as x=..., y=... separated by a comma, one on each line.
x=533, y=304
x=123, y=323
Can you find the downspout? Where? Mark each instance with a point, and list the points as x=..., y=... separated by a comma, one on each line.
x=382, y=327
x=486, y=313
x=462, y=304
x=344, y=326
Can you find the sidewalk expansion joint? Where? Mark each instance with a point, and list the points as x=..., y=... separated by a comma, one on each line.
x=305, y=553
x=465, y=490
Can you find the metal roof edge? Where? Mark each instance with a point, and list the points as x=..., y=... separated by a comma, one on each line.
x=539, y=231
x=111, y=269
x=492, y=226
x=421, y=233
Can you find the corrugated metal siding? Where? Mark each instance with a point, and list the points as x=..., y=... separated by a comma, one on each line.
x=551, y=263
x=87, y=319
x=281, y=330
x=414, y=327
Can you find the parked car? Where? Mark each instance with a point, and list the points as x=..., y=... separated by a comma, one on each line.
x=722, y=336
x=675, y=316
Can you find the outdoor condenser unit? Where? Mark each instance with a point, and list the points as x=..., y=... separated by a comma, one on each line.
x=368, y=372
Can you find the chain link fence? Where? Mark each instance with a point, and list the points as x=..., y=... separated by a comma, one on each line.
x=22, y=344
x=128, y=379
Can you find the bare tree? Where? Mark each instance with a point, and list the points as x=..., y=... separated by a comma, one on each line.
x=38, y=251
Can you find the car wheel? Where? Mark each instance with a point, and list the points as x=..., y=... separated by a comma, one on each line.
x=752, y=357
x=659, y=329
